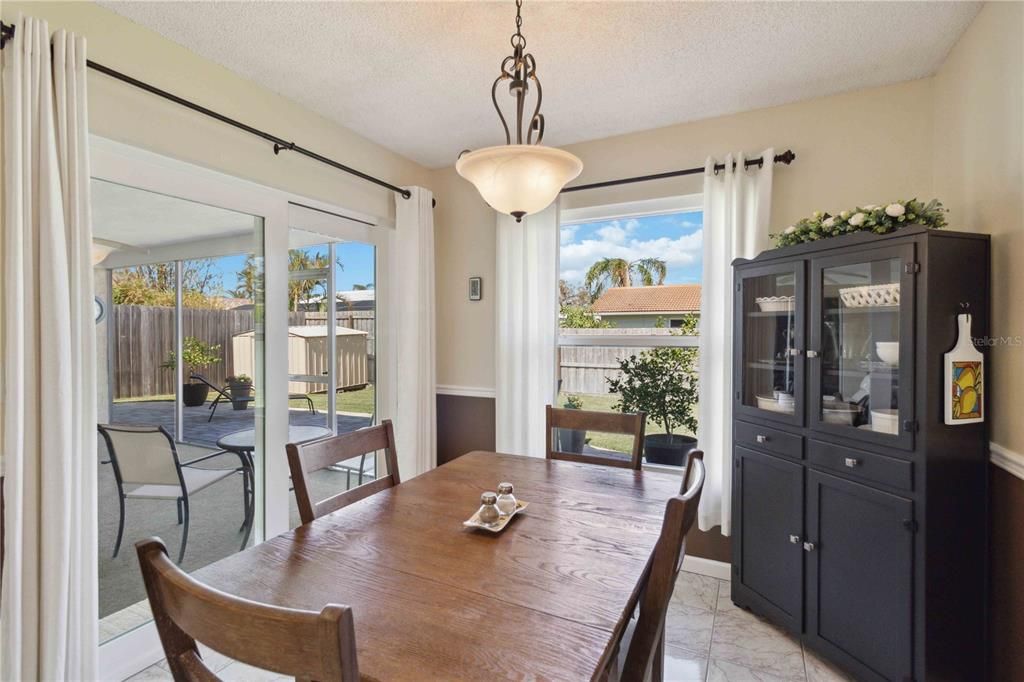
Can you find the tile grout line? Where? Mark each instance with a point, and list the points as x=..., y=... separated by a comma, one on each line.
x=714, y=621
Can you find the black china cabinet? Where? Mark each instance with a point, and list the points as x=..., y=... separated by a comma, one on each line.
x=860, y=519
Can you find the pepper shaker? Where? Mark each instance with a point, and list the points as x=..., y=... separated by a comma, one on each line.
x=506, y=500
x=488, y=513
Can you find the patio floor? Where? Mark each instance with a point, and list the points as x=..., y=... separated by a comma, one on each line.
x=216, y=512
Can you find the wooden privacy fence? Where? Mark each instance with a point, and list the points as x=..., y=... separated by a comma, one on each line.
x=142, y=337
x=586, y=369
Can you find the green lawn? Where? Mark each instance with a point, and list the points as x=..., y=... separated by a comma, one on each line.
x=610, y=441
x=357, y=402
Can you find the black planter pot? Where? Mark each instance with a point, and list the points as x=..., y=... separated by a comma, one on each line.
x=661, y=448
x=194, y=395
x=241, y=396
x=570, y=440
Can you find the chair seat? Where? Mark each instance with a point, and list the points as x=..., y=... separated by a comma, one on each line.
x=195, y=480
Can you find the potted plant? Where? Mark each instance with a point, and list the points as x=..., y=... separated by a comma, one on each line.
x=571, y=440
x=197, y=355
x=663, y=383
x=240, y=387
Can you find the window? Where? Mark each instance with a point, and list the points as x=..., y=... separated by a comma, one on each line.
x=629, y=295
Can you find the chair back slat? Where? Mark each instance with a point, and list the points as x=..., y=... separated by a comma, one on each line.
x=604, y=422
x=666, y=561
x=306, y=458
x=142, y=454
x=303, y=644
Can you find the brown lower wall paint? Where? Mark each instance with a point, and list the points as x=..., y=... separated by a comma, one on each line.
x=1007, y=603
x=466, y=423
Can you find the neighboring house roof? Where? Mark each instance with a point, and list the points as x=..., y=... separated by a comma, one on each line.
x=667, y=298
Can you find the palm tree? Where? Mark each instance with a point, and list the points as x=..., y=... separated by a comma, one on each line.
x=618, y=272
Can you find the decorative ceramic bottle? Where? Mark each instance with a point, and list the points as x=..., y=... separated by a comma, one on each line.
x=964, y=374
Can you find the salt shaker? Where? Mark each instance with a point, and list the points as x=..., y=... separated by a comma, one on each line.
x=488, y=513
x=506, y=500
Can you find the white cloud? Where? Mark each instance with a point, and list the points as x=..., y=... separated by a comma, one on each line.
x=567, y=234
x=681, y=252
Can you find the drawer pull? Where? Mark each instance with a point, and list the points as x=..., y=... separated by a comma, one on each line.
x=812, y=353
x=808, y=546
x=761, y=438
x=795, y=539
x=851, y=462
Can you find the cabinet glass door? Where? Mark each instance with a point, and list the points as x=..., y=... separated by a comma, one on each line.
x=770, y=305
x=862, y=345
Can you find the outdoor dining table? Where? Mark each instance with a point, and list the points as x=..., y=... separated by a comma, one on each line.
x=546, y=598
x=243, y=444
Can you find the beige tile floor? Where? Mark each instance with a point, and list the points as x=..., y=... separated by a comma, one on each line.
x=707, y=638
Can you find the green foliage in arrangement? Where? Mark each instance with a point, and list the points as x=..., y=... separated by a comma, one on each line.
x=573, y=402
x=871, y=218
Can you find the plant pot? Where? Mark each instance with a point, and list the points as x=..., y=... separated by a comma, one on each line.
x=241, y=396
x=570, y=440
x=194, y=395
x=661, y=448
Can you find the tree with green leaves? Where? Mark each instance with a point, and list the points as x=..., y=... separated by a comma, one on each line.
x=154, y=284
x=619, y=272
x=250, y=279
x=662, y=382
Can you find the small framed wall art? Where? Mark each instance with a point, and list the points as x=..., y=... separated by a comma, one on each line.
x=476, y=288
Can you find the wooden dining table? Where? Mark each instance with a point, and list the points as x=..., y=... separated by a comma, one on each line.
x=547, y=598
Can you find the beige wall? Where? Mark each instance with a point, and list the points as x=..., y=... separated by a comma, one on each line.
x=861, y=147
x=123, y=113
x=978, y=150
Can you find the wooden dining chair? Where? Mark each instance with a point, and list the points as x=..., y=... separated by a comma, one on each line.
x=644, y=644
x=604, y=422
x=305, y=458
x=304, y=644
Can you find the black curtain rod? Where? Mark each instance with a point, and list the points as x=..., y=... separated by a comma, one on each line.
x=7, y=32
x=785, y=157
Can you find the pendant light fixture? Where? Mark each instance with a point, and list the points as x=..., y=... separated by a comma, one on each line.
x=522, y=178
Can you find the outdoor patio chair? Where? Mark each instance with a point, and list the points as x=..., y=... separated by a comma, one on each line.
x=145, y=457
x=225, y=394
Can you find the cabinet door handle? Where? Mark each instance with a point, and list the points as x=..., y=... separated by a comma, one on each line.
x=851, y=462
x=812, y=353
x=795, y=539
x=808, y=546
x=795, y=351
x=761, y=438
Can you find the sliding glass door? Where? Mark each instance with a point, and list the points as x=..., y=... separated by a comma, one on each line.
x=332, y=304
x=181, y=327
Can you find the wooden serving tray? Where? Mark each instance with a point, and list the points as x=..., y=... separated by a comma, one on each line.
x=474, y=520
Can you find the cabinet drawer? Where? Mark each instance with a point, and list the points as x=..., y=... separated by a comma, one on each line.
x=768, y=439
x=863, y=465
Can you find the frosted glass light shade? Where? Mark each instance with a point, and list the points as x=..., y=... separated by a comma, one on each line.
x=519, y=179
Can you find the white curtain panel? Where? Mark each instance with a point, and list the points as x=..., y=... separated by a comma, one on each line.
x=48, y=607
x=414, y=339
x=737, y=208
x=527, y=309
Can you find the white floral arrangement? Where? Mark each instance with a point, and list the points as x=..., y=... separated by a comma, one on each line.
x=871, y=218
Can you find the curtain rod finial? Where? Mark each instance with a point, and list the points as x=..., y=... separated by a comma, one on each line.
x=787, y=157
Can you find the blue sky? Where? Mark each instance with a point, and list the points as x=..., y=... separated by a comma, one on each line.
x=356, y=260
x=675, y=238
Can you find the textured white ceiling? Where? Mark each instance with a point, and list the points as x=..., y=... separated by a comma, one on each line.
x=415, y=76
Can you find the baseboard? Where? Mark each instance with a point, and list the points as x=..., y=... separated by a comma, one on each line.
x=1007, y=459
x=708, y=567
x=465, y=391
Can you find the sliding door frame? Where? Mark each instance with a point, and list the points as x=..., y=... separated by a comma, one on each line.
x=130, y=166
